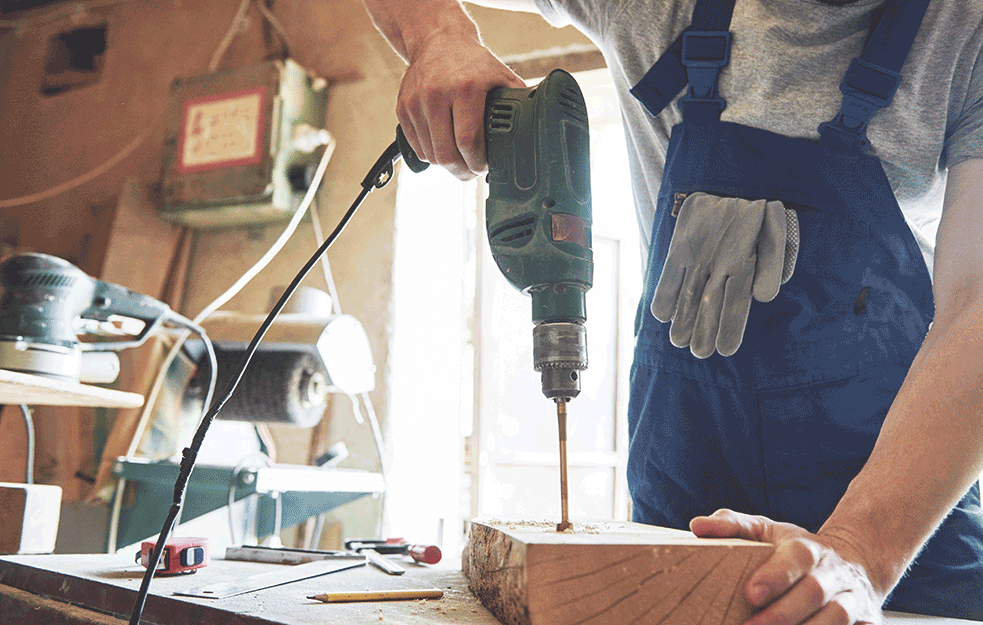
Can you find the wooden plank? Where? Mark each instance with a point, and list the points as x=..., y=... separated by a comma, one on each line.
x=141, y=246
x=139, y=234
x=29, y=517
x=36, y=390
x=13, y=444
x=595, y=574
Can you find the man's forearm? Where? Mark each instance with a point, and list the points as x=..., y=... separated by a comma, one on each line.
x=929, y=452
x=441, y=100
x=406, y=24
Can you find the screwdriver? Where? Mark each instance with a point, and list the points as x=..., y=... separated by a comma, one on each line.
x=561, y=420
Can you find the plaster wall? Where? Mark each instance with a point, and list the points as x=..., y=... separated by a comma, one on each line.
x=51, y=139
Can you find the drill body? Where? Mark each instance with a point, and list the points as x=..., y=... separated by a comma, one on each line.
x=538, y=217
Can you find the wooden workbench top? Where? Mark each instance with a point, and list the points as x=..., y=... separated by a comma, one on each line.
x=31, y=585
x=100, y=589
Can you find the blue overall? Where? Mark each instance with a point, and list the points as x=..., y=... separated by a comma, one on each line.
x=781, y=427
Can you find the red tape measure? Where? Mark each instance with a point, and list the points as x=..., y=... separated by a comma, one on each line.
x=180, y=555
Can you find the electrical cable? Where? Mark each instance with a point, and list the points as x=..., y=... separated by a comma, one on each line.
x=273, y=21
x=277, y=519
x=369, y=409
x=325, y=265
x=380, y=174
x=221, y=300
x=236, y=27
x=233, y=482
x=29, y=425
x=380, y=446
x=265, y=437
x=88, y=176
x=229, y=293
x=212, y=367
x=179, y=494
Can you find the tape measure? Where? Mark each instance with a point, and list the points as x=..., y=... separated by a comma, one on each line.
x=180, y=555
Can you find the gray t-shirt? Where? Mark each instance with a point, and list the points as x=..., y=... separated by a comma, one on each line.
x=787, y=60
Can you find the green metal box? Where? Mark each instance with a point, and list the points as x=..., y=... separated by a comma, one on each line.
x=234, y=150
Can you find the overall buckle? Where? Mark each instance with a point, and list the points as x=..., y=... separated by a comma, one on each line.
x=704, y=53
x=866, y=88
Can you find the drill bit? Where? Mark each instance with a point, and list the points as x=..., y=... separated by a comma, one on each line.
x=561, y=419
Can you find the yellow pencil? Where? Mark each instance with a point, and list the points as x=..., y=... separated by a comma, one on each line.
x=379, y=595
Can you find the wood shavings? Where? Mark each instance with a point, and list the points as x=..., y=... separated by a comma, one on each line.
x=547, y=526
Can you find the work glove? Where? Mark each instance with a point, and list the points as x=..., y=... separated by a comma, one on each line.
x=723, y=252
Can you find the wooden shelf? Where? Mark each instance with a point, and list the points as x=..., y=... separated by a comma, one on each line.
x=35, y=390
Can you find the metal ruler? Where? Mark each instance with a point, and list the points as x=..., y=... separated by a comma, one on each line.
x=284, y=555
x=279, y=577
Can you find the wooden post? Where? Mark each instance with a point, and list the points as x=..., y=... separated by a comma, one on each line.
x=143, y=250
x=597, y=574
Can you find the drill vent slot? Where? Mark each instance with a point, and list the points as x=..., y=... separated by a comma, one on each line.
x=515, y=233
x=574, y=104
x=501, y=117
x=48, y=281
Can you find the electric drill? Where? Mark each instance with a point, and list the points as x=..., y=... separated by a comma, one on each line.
x=538, y=219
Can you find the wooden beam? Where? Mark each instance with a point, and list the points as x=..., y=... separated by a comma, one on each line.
x=595, y=574
x=576, y=58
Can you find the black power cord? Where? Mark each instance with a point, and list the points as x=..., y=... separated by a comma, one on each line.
x=380, y=175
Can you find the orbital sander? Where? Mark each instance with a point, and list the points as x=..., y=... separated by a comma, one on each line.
x=48, y=302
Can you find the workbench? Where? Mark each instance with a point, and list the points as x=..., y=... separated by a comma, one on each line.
x=100, y=589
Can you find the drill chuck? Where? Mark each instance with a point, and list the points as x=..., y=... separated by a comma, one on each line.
x=560, y=354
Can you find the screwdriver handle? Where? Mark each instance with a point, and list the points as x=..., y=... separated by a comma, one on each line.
x=428, y=554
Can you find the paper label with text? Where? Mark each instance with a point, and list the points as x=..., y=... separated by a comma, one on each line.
x=222, y=131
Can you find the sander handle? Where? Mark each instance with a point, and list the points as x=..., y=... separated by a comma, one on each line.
x=110, y=299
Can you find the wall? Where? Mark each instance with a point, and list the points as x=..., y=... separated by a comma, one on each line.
x=51, y=139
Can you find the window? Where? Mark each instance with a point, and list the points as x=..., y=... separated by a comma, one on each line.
x=513, y=459
x=472, y=434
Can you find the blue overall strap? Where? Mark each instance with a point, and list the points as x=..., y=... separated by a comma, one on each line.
x=695, y=57
x=873, y=78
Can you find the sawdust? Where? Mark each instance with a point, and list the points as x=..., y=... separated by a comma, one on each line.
x=547, y=526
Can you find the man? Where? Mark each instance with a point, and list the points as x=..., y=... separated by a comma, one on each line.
x=846, y=401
